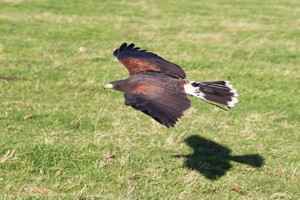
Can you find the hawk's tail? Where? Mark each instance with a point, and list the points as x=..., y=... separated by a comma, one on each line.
x=220, y=92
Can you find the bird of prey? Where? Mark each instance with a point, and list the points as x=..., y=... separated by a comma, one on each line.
x=159, y=88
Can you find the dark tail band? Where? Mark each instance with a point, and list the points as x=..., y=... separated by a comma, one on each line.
x=220, y=92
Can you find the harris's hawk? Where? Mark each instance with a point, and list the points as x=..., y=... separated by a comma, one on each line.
x=159, y=88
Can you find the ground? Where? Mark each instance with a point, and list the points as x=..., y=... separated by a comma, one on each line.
x=64, y=137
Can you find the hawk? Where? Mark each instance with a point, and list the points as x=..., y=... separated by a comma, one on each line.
x=159, y=88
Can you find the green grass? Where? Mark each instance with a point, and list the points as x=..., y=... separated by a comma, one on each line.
x=59, y=153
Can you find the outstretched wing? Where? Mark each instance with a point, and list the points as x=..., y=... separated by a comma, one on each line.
x=164, y=104
x=136, y=60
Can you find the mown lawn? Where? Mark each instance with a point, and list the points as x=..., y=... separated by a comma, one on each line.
x=81, y=142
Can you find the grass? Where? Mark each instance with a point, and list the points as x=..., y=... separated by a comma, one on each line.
x=83, y=143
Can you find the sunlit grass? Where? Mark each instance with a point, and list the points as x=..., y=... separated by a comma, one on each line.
x=83, y=142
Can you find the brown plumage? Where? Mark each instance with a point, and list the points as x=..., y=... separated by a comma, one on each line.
x=159, y=89
x=136, y=61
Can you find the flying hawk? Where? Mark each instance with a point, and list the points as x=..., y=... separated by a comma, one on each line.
x=159, y=88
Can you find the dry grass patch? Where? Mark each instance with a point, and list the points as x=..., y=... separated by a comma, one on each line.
x=241, y=26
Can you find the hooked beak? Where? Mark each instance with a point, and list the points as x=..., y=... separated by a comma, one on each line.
x=108, y=86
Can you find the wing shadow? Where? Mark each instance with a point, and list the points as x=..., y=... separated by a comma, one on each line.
x=212, y=159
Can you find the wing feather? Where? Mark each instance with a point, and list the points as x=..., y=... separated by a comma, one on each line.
x=137, y=60
x=164, y=104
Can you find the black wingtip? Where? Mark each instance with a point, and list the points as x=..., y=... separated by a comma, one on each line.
x=126, y=47
x=130, y=46
x=123, y=47
x=116, y=52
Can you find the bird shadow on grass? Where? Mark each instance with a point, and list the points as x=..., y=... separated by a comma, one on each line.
x=212, y=159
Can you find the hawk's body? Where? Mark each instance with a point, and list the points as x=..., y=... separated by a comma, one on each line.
x=158, y=87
